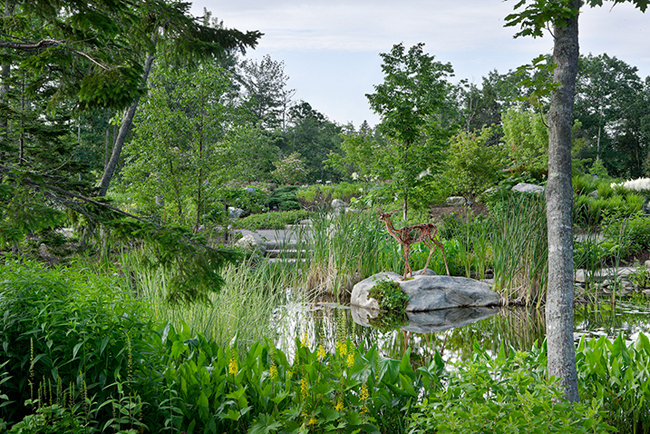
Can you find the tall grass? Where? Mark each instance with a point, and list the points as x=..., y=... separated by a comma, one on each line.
x=243, y=308
x=346, y=249
x=520, y=247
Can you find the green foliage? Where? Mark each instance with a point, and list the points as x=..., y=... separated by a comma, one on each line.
x=177, y=150
x=526, y=138
x=392, y=304
x=272, y=220
x=519, y=245
x=284, y=199
x=290, y=170
x=262, y=392
x=505, y=394
x=472, y=166
x=252, y=198
x=615, y=375
x=390, y=296
x=634, y=232
x=74, y=343
x=413, y=91
x=640, y=277
x=320, y=196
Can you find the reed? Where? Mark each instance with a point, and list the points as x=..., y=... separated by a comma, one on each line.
x=520, y=249
x=244, y=307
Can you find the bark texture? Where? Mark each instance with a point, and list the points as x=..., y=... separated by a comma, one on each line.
x=559, y=198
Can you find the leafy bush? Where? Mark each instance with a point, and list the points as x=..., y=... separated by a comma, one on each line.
x=284, y=199
x=633, y=233
x=504, y=394
x=320, y=196
x=218, y=390
x=78, y=335
x=272, y=220
x=616, y=376
x=392, y=304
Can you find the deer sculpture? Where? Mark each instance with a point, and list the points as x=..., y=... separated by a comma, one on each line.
x=424, y=232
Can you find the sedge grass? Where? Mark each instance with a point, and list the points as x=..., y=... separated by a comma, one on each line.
x=243, y=308
x=520, y=249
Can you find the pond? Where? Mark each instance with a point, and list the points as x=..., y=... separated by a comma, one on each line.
x=518, y=328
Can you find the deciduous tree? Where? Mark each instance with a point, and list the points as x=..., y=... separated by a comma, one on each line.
x=562, y=15
x=414, y=90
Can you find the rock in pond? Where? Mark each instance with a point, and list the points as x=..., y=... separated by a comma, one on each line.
x=429, y=292
x=434, y=321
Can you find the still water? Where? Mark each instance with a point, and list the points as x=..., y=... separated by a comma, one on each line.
x=452, y=333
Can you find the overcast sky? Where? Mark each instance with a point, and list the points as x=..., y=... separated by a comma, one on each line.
x=331, y=48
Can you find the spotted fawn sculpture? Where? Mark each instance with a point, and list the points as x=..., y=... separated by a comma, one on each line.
x=424, y=232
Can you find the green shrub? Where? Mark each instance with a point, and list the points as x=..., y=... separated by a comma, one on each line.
x=392, y=304
x=316, y=197
x=218, y=390
x=617, y=376
x=284, y=199
x=272, y=220
x=504, y=395
x=633, y=234
x=73, y=340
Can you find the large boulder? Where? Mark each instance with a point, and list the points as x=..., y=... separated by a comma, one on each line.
x=528, y=188
x=429, y=292
x=456, y=201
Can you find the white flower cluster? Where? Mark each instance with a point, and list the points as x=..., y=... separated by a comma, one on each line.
x=641, y=184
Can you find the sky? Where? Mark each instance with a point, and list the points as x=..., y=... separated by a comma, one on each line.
x=330, y=48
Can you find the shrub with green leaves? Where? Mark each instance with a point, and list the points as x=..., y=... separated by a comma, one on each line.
x=214, y=389
x=284, y=199
x=504, y=394
x=617, y=375
x=272, y=220
x=73, y=340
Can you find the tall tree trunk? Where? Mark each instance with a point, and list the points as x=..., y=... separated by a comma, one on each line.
x=559, y=198
x=127, y=121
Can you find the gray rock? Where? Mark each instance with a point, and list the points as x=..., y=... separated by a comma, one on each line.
x=252, y=243
x=429, y=292
x=338, y=207
x=528, y=188
x=593, y=194
x=456, y=201
x=359, y=295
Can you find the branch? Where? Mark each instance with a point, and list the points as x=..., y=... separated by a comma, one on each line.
x=46, y=43
x=43, y=43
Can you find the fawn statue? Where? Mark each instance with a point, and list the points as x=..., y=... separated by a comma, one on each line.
x=424, y=232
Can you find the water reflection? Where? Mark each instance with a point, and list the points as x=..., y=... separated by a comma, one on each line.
x=511, y=328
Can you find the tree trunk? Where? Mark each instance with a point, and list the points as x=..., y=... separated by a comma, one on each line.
x=127, y=121
x=559, y=197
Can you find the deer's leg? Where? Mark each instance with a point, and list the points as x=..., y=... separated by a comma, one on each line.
x=407, y=266
x=432, y=248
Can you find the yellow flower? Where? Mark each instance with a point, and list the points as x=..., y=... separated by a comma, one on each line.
x=321, y=353
x=232, y=367
x=364, y=409
x=341, y=348
x=304, y=341
x=339, y=405
x=312, y=421
x=290, y=374
x=273, y=371
x=304, y=388
x=350, y=361
x=363, y=394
